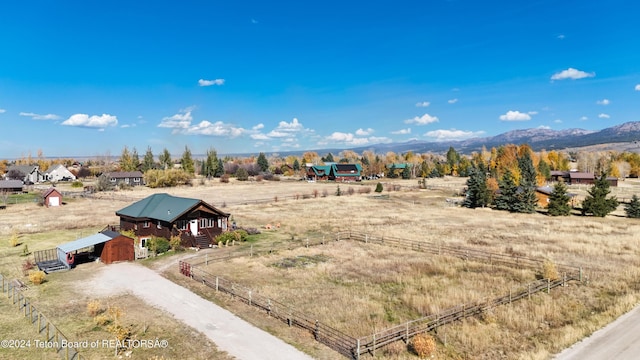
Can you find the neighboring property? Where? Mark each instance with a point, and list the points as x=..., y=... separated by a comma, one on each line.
x=335, y=172
x=108, y=246
x=52, y=198
x=580, y=178
x=11, y=186
x=132, y=178
x=58, y=173
x=194, y=221
x=31, y=173
x=544, y=192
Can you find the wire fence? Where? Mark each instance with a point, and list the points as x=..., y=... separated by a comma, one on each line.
x=350, y=346
x=53, y=337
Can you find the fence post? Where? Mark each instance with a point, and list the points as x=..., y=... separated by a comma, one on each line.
x=216, y=283
x=307, y=242
x=406, y=340
x=548, y=286
x=269, y=307
x=578, y=275
x=249, y=297
x=358, y=349
x=529, y=291
x=206, y=259
x=316, y=333
x=374, y=345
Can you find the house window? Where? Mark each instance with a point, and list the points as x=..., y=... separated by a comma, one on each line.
x=143, y=242
x=146, y=224
x=137, y=180
x=182, y=224
x=159, y=225
x=126, y=180
x=220, y=223
x=113, y=180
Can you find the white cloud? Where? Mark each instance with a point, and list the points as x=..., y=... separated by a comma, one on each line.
x=347, y=138
x=422, y=120
x=294, y=125
x=572, y=73
x=561, y=36
x=544, y=127
x=637, y=87
x=557, y=121
x=203, y=82
x=2, y=111
x=532, y=112
x=453, y=134
x=515, y=116
x=258, y=127
x=364, y=132
x=181, y=120
x=379, y=139
x=259, y=136
x=604, y=116
x=35, y=116
x=213, y=129
x=452, y=101
x=128, y=126
x=584, y=118
x=603, y=102
x=94, y=121
x=423, y=104
x=402, y=131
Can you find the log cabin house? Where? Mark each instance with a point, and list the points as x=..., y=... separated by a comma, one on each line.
x=162, y=215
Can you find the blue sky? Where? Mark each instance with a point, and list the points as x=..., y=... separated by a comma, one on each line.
x=89, y=77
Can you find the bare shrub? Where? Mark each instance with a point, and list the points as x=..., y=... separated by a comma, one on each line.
x=549, y=271
x=306, y=196
x=94, y=308
x=101, y=320
x=37, y=277
x=315, y=193
x=259, y=178
x=27, y=266
x=351, y=191
x=325, y=193
x=14, y=241
x=423, y=345
x=364, y=190
x=395, y=349
x=224, y=178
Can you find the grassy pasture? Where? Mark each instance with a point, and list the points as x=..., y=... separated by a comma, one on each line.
x=385, y=286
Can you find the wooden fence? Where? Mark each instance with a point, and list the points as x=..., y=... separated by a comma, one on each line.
x=53, y=337
x=355, y=347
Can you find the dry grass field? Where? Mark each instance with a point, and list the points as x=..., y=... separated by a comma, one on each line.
x=361, y=287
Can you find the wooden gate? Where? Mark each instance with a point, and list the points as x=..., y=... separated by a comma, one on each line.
x=185, y=268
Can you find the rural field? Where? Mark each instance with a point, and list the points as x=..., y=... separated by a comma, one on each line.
x=354, y=287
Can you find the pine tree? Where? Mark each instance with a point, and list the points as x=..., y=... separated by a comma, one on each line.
x=263, y=163
x=125, y=160
x=187, y=161
x=391, y=174
x=508, y=190
x=210, y=165
x=147, y=162
x=477, y=192
x=526, y=200
x=296, y=165
x=559, y=200
x=406, y=172
x=165, y=159
x=632, y=209
x=135, y=159
x=596, y=202
x=219, y=169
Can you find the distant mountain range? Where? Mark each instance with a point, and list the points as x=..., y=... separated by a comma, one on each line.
x=537, y=138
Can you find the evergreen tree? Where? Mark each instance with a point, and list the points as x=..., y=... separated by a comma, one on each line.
x=596, y=202
x=135, y=159
x=406, y=172
x=453, y=158
x=633, y=208
x=391, y=174
x=379, y=187
x=210, y=164
x=296, y=165
x=219, y=169
x=526, y=199
x=328, y=158
x=508, y=192
x=147, y=162
x=242, y=174
x=187, y=161
x=559, y=200
x=478, y=194
x=263, y=163
x=165, y=159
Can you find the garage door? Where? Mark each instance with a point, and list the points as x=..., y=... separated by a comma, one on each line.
x=54, y=201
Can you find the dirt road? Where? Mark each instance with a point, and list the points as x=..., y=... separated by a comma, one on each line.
x=618, y=340
x=230, y=333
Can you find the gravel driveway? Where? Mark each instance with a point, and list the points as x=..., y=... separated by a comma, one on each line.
x=230, y=333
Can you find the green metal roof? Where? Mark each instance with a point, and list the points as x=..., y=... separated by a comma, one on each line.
x=160, y=207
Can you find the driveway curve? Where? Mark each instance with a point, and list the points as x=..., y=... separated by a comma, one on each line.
x=619, y=340
x=230, y=333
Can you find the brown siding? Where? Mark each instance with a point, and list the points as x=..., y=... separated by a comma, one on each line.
x=118, y=249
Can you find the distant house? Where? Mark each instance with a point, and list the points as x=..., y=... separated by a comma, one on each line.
x=11, y=186
x=398, y=168
x=544, y=192
x=335, y=172
x=132, y=178
x=580, y=178
x=52, y=198
x=31, y=173
x=58, y=173
x=194, y=221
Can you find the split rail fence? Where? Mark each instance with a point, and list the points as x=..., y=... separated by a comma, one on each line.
x=350, y=346
x=53, y=337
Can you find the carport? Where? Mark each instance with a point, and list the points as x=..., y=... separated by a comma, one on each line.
x=108, y=246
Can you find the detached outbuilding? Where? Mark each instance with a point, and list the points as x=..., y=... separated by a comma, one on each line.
x=52, y=198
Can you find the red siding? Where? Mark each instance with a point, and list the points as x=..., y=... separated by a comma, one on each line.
x=118, y=249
